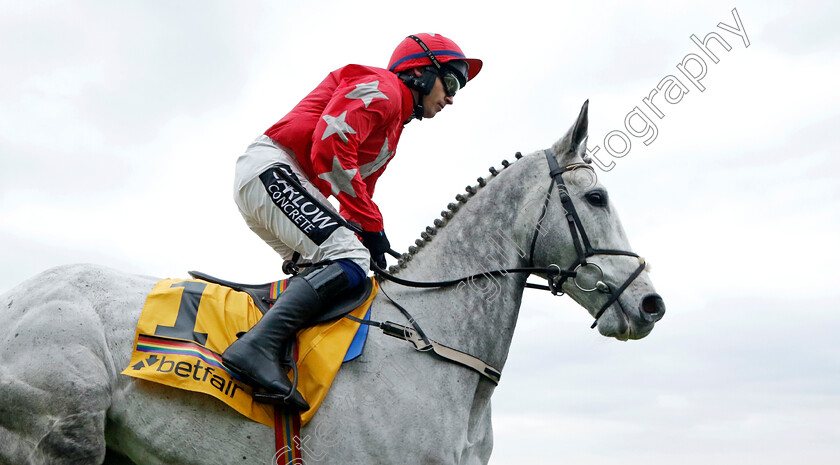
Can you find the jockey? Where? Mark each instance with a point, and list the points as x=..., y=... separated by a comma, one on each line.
x=337, y=141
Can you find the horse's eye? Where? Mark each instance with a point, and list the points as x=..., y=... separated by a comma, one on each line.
x=597, y=198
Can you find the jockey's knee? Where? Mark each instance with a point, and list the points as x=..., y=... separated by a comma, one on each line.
x=354, y=272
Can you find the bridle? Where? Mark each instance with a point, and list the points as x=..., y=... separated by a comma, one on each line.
x=554, y=274
x=583, y=247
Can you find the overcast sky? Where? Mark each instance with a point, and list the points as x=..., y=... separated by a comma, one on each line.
x=120, y=123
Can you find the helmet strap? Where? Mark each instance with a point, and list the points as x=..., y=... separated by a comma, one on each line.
x=418, y=110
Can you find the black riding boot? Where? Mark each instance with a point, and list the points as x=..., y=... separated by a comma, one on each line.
x=256, y=355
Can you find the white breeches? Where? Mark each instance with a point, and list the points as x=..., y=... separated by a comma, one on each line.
x=286, y=218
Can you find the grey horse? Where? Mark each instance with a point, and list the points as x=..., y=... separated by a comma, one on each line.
x=67, y=333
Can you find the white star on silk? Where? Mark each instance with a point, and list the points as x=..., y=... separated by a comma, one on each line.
x=340, y=179
x=366, y=92
x=336, y=125
x=384, y=155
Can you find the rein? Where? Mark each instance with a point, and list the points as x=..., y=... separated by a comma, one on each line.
x=550, y=270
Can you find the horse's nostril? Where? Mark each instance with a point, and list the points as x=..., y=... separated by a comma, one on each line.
x=653, y=307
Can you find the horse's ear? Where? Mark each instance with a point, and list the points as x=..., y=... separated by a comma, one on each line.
x=581, y=129
x=574, y=142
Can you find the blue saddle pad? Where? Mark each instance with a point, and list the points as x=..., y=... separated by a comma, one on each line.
x=358, y=343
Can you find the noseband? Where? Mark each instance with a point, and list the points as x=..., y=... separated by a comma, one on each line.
x=583, y=247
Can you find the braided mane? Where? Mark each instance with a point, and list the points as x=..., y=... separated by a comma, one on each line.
x=446, y=215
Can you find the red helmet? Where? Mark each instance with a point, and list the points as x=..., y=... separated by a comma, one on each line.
x=410, y=54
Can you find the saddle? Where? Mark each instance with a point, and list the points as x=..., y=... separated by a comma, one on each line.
x=264, y=295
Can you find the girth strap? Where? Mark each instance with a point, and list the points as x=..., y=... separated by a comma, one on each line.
x=423, y=343
x=428, y=345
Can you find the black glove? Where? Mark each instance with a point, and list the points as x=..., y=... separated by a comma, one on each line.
x=377, y=243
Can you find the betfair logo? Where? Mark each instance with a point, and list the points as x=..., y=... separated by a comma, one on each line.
x=197, y=372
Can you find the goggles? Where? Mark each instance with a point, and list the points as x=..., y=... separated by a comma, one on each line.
x=451, y=85
x=453, y=76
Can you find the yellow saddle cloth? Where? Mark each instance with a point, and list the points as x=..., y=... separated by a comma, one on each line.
x=186, y=324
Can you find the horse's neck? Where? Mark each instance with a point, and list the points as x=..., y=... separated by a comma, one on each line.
x=485, y=234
